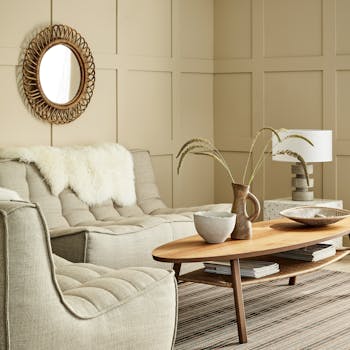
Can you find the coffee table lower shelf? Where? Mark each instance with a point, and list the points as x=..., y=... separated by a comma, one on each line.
x=288, y=268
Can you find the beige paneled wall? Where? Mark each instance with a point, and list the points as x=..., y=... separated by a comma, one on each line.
x=165, y=89
x=277, y=62
x=154, y=81
x=282, y=63
x=16, y=125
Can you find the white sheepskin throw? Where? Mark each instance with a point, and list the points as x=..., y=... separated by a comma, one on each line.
x=95, y=173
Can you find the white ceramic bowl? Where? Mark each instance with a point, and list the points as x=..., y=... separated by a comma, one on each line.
x=214, y=227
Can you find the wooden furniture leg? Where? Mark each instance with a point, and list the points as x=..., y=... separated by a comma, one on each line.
x=239, y=304
x=176, y=268
x=292, y=280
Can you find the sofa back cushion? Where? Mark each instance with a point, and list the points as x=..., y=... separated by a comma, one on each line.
x=26, y=180
x=67, y=209
x=148, y=197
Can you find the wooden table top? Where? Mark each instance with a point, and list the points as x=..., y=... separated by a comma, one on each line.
x=269, y=237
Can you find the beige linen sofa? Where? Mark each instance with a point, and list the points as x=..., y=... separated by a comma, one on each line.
x=47, y=302
x=105, y=234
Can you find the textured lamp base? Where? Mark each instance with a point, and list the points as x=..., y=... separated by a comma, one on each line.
x=302, y=189
x=303, y=196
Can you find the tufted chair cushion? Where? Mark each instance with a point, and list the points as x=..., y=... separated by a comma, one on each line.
x=90, y=290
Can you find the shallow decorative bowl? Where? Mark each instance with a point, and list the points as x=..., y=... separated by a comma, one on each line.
x=214, y=227
x=315, y=216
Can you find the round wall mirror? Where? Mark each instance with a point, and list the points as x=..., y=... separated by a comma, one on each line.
x=58, y=74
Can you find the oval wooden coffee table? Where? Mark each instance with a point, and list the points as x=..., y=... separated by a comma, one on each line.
x=269, y=237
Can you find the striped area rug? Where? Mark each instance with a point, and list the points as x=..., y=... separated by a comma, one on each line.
x=314, y=314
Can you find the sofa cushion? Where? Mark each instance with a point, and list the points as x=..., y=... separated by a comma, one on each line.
x=74, y=210
x=13, y=175
x=39, y=192
x=148, y=197
x=67, y=209
x=26, y=180
x=96, y=172
x=190, y=210
x=90, y=290
x=126, y=242
x=105, y=242
x=105, y=211
x=121, y=226
x=132, y=210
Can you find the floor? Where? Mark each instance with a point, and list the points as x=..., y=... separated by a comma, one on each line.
x=310, y=315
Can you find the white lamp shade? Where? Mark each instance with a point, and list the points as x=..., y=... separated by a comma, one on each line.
x=320, y=152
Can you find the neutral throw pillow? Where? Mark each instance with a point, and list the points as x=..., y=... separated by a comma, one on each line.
x=7, y=195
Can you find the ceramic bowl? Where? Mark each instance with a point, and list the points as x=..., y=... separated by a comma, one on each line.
x=214, y=227
x=315, y=216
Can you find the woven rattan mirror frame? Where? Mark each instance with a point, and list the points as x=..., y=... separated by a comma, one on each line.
x=39, y=103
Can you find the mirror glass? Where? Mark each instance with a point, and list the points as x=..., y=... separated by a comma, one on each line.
x=59, y=74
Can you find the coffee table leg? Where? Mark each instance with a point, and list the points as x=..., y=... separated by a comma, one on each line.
x=239, y=304
x=292, y=280
x=176, y=268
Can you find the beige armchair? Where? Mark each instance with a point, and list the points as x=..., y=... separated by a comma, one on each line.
x=47, y=302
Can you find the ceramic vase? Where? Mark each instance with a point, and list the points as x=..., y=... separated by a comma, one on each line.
x=243, y=227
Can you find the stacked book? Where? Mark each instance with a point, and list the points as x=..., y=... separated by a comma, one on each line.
x=312, y=253
x=249, y=268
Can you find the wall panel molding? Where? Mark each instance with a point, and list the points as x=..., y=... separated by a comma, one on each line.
x=144, y=51
x=315, y=54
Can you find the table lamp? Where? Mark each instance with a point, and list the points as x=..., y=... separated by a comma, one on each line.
x=320, y=152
